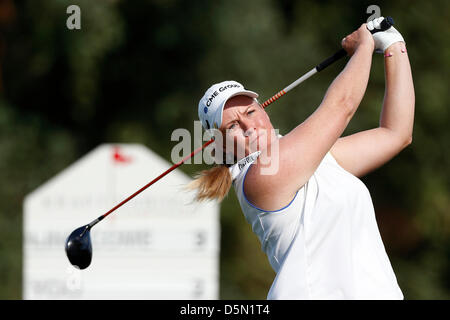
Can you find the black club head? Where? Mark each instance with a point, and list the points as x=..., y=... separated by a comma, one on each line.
x=79, y=247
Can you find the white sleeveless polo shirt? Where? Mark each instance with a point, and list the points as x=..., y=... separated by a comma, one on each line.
x=325, y=243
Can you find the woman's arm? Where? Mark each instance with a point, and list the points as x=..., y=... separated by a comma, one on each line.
x=302, y=150
x=363, y=152
x=398, y=107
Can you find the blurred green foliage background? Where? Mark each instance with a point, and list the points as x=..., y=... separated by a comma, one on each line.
x=136, y=70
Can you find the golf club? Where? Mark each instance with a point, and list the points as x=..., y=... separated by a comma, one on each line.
x=78, y=245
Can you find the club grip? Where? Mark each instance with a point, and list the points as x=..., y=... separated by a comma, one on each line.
x=325, y=63
x=384, y=25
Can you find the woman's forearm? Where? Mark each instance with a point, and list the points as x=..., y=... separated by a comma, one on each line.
x=398, y=106
x=350, y=85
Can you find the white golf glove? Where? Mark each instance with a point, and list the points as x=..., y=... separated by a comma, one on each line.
x=383, y=39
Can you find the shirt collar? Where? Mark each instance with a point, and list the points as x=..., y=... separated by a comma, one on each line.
x=236, y=168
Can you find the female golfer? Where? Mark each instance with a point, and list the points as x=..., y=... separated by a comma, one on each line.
x=300, y=192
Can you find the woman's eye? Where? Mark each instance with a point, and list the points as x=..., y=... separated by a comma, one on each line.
x=251, y=111
x=232, y=126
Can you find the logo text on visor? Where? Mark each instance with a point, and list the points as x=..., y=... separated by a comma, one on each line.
x=221, y=89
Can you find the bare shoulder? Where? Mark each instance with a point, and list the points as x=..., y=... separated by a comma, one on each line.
x=298, y=155
x=263, y=194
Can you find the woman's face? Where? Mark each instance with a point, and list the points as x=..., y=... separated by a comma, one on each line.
x=245, y=126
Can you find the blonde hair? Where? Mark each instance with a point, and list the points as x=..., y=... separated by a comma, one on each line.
x=211, y=184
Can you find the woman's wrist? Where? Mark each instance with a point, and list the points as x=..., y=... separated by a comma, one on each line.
x=366, y=46
x=395, y=48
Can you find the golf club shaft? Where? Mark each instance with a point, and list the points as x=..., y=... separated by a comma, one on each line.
x=385, y=24
x=151, y=182
x=289, y=87
x=265, y=104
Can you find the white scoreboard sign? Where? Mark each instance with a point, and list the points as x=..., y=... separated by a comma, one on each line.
x=159, y=245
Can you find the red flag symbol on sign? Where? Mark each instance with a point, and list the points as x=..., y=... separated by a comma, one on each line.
x=119, y=157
